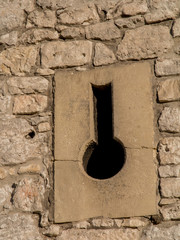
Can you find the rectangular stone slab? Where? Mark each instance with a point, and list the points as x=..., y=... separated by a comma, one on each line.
x=132, y=191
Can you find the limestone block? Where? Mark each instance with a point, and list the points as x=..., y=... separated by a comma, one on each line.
x=135, y=222
x=85, y=14
x=103, y=55
x=169, y=171
x=61, y=54
x=148, y=42
x=103, y=222
x=19, y=226
x=44, y=127
x=46, y=18
x=18, y=60
x=31, y=168
x=9, y=38
x=131, y=22
x=170, y=187
x=52, y=231
x=103, y=31
x=29, y=104
x=171, y=212
x=160, y=231
x=5, y=197
x=72, y=32
x=169, y=90
x=26, y=85
x=134, y=8
x=169, y=120
x=82, y=225
x=15, y=144
x=3, y=173
x=110, y=234
x=167, y=201
x=169, y=150
x=162, y=10
x=176, y=28
x=29, y=194
x=5, y=104
x=45, y=71
x=165, y=67
x=37, y=35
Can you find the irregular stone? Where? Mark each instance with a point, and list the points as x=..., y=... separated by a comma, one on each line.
x=85, y=14
x=118, y=222
x=103, y=31
x=131, y=22
x=29, y=194
x=135, y=222
x=160, y=232
x=169, y=171
x=169, y=150
x=5, y=197
x=72, y=33
x=169, y=120
x=37, y=35
x=134, y=8
x=62, y=54
x=170, y=187
x=9, y=38
x=155, y=41
x=161, y=10
x=52, y=231
x=45, y=71
x=3, y=173
x=171, y=212
x=103, y=222
x=44, y=221
x=169, y=90
x=15, y=143
x=12, y=171
x=44, y=127
x=165, y=67
x=31, y=168
x=18, y=60
x=110, y=234
x=46, y=18
x=82, y=225
x=26, y=85
x=176, y=28
x=167, y=201
x=19, y=226
x=103, y=55
x=5, y=104
x=29, y=104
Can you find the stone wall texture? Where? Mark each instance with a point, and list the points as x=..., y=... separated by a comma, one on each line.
x=36, y=38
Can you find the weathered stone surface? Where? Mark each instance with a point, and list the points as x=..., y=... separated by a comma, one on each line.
x=45, y=71
x=103, y=222
x=44, y=18
x=61, y=54
x=15, y=144
x=134, y=8
x=169, y=150
x=170, y=187
x=103, y=31
x=165, y=67
x=29, y=194
x=52, y=231
x=160, y=232
x=29, y=104
x=5, y=104
x=3, y=173
x=72, y=32
x=169, y=120
x=44, y=127
x=19, y=226
x=171, y=212
x=169, y=90
x=85, y=14
x=135, y=222
x=176, y=28
x=169, y=171
x=131, y=22
x=26, y=85
x=9, y=38
x=103, y=55
x=31, y=168
x=17, y=60
x=37, y=35
x=5, y=197
x=155, y=41
x=82, y=225
x=111, y=234
x=161, y=10
x=167, y=201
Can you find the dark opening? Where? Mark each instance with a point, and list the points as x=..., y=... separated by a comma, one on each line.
x=108, y=156
x=30, y=134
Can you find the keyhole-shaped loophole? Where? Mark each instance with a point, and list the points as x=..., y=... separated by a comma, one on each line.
x=106, y=158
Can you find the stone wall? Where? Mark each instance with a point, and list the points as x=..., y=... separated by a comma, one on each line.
x=36, y=38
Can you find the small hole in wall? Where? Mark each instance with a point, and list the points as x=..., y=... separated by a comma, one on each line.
x=30, y=135
x=106, y=158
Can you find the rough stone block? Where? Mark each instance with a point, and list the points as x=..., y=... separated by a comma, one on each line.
x=5, y=197
x=176, y=28
x=61, y=54
x=135, y=222
x=169, y=150
x=134, y=8
x=169, y=171
x=170, y=187
x=169, y=120
x=131, y=22
x=71, y=32
x=103, y=222
x=5, y=104
x=103, y=55
x=169, y=90
x=3, y=173
x=31, y=168
x=9, y=38
x=171, y=212
x=155, y=41
x=165, y=67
